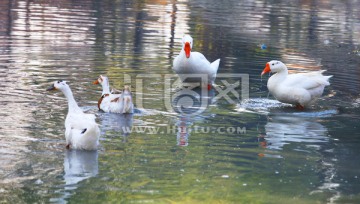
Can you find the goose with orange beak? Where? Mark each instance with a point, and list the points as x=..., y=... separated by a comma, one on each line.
x=114, y=103
x=193, y=66
x=81, y=130
x=299, y=89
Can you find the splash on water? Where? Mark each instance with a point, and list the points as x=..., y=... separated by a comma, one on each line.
x=266, y=106
x=259, y=105
x=356, y=103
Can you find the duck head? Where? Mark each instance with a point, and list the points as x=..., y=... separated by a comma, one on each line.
x=274, y=66
x=58, y=85
x=187, y=42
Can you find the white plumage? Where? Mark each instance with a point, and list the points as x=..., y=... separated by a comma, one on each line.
x=114, y=103
x=298, y=89
x=194, y=63
x=81, y=130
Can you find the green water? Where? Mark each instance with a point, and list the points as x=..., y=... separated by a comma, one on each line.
x=233, y=151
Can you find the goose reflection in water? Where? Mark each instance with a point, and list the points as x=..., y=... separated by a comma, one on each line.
x=289, y=129
x=116, y=122
x=283, y=130
x=183, y=130
x=79, y=165
x=190, y=103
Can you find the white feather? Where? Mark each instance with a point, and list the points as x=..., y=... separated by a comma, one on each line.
x=114, y=103
x=195, y=64
x=299, y=89
x=81, y=130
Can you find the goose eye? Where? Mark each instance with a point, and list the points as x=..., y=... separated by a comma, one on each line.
x=59, y=81
x=273, y=64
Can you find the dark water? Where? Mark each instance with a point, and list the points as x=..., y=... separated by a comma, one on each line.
x=233, y=151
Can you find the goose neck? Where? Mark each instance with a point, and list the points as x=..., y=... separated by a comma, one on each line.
x=73, y=106
x=106, y=88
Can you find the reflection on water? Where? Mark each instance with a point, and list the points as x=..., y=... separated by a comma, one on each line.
x=183, y=131
x=302, y=134
x=285, y=130
x=78, y=166
x=43, y=41
x=189, y=102
x=116, y=122
x=192, y=100
x=118, y=125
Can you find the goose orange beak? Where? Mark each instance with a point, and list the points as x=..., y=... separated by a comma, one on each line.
x=266, y=69
x=96, y=82
x=187, y=49
x=51, y=88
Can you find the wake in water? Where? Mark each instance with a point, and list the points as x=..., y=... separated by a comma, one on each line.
x=266, y=106
x=260, y=105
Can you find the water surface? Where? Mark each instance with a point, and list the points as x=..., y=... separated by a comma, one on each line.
x=256, y=150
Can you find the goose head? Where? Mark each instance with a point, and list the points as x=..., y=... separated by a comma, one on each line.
x=187, y=43
x=274, y=66
x=102, y=80
x=58, y=85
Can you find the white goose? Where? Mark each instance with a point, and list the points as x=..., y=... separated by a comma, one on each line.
x=81, y=130
x=188, y=62
x=114, y=103
x=298, y=89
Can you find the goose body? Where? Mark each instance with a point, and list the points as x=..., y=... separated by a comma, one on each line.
x=114, y=103
x=298, y=89
x=192, y=66
x=81, y=130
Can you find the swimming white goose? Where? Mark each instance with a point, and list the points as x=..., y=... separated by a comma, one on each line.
x=81, y=130
x=298, y=89
x=114, y=103
x=191, y=63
